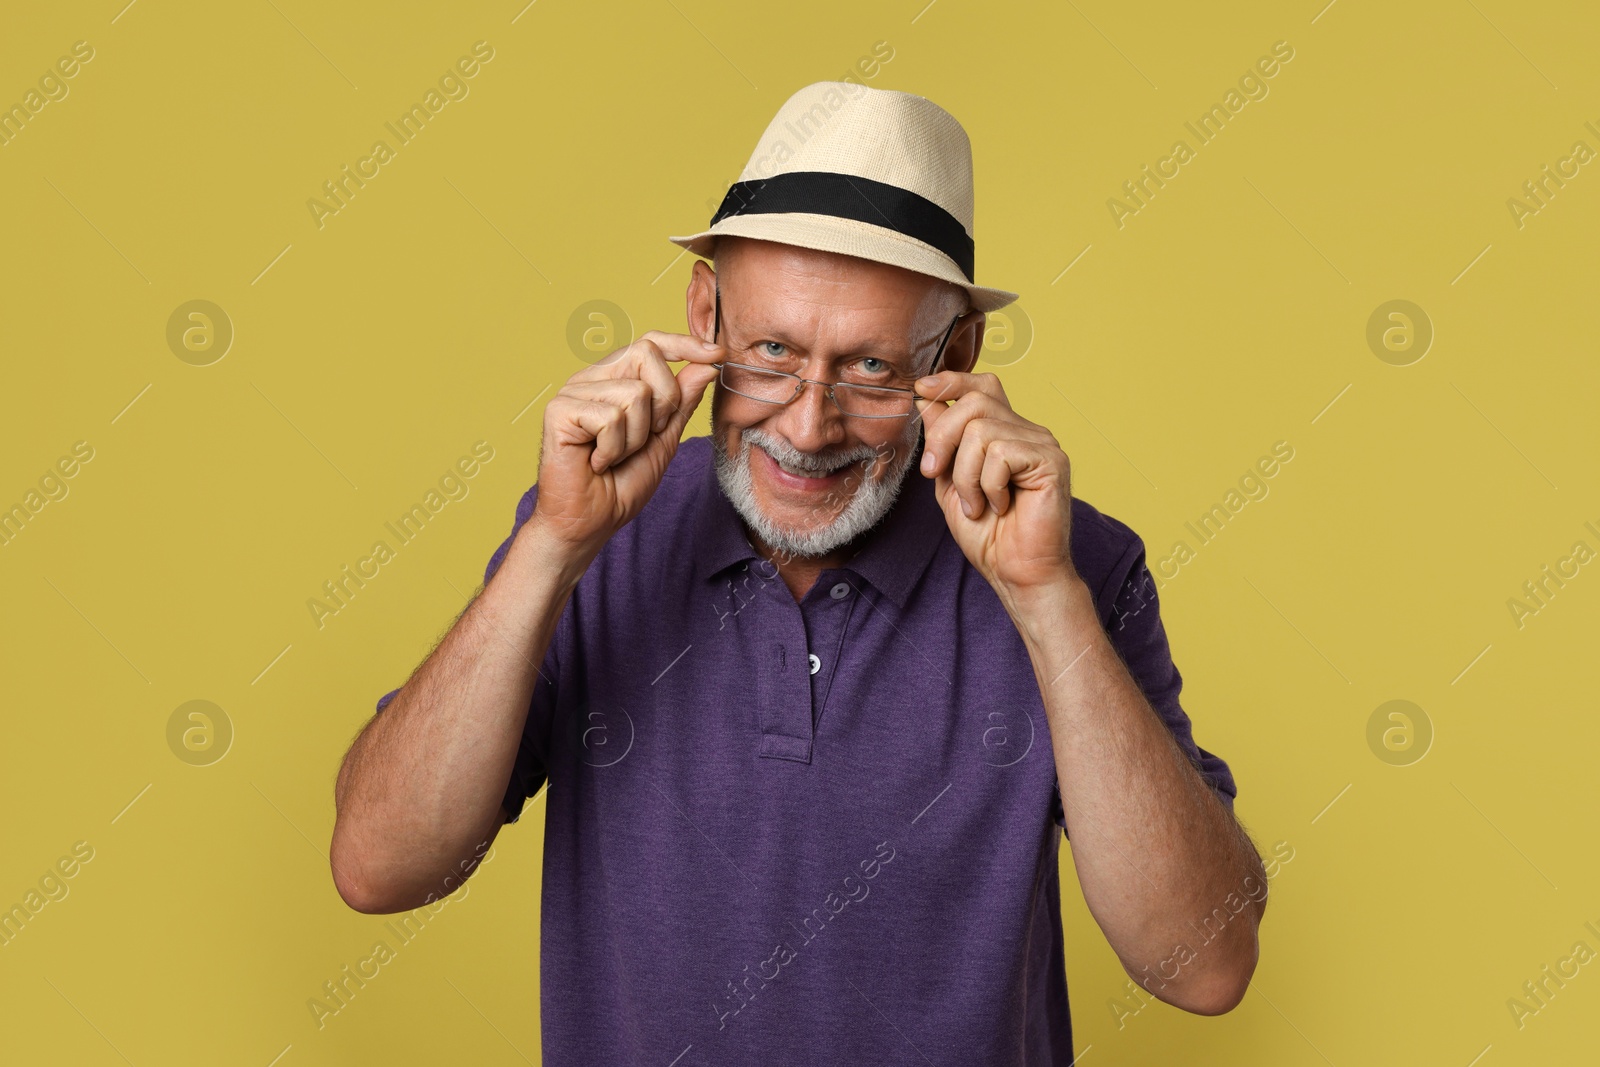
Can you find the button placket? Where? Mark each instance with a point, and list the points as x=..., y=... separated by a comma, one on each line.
x=783, y=690
x=828, y=621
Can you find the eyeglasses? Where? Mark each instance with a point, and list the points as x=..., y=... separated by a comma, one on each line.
x=855, y=400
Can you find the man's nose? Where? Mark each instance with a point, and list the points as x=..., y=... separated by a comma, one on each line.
x=811, y=422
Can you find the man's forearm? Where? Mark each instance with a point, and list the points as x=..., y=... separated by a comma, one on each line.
x=420, y=790
x=1155, y=850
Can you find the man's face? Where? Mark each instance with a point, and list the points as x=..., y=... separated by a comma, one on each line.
x=806, y=477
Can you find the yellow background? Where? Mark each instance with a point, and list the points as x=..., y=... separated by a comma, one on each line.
x=371, y=353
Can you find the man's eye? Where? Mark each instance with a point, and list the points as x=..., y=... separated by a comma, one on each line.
x=766, y=349
x=874, y=369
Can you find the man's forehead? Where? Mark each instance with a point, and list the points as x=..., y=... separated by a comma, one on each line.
x=803, y=297
x=792, y=273
x=802, y=315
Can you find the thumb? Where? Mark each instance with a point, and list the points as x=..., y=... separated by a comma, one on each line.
x=944, y=491
x=692, y=382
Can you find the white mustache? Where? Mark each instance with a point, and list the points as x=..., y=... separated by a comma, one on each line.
x=864, y=504
x=795, y=461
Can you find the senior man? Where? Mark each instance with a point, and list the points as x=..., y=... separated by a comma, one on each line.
x=811, y=719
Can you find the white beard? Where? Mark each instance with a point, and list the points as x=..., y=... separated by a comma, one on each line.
x=868, y=503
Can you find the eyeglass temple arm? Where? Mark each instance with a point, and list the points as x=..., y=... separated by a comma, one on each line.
x=934, y=367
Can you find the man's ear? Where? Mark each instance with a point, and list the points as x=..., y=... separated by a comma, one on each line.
x=966, y=342
x=700, y=310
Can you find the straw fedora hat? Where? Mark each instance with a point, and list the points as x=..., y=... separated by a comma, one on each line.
x=874, y=173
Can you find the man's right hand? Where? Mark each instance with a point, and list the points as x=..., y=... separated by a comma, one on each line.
x=610, y=433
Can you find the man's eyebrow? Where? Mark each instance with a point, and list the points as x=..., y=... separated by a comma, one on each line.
x=876, y=345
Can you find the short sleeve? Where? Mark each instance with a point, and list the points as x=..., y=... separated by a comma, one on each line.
x=528, y=771
x=1133, y=624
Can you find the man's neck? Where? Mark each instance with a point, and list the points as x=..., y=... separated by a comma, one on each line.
x=800, y=573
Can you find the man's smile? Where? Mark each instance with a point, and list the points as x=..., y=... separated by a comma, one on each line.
x=797, y=478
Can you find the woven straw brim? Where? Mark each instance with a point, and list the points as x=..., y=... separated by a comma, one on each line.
x=827, y=233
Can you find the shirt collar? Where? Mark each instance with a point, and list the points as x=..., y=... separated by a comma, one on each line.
x=892, y=558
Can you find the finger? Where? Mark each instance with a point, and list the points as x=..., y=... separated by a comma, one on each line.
x=634, y=398
x=1000, y=462
x=610, y=433
x=646, y=358
x=573, y=421
x=663, y=388
x=952, y=385
x=680, y=347
x=943, y=439
x=942, y=425
x=928, y=413
x=581, y=421
x=967, y=468
x=691, y=384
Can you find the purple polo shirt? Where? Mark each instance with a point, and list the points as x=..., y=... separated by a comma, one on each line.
x=822, y=832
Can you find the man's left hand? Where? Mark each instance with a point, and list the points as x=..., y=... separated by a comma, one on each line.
x=1004, y=483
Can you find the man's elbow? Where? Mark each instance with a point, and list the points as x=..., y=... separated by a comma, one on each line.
x=361, y=898
x=380, y=883
x=1223, y=988
x=1218, y=998
x=359, y=892
x=355, y=883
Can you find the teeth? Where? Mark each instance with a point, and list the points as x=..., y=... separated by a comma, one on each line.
x=803, y=472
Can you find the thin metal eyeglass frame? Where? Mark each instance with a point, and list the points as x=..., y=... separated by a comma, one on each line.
x=827, y=387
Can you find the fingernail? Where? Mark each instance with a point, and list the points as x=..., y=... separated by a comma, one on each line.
x=710, y=345
x=966, y=509
x=927, y=463
x=927, y=383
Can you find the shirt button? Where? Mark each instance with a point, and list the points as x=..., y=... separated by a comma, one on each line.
x=816, y=664
x=840, y=591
